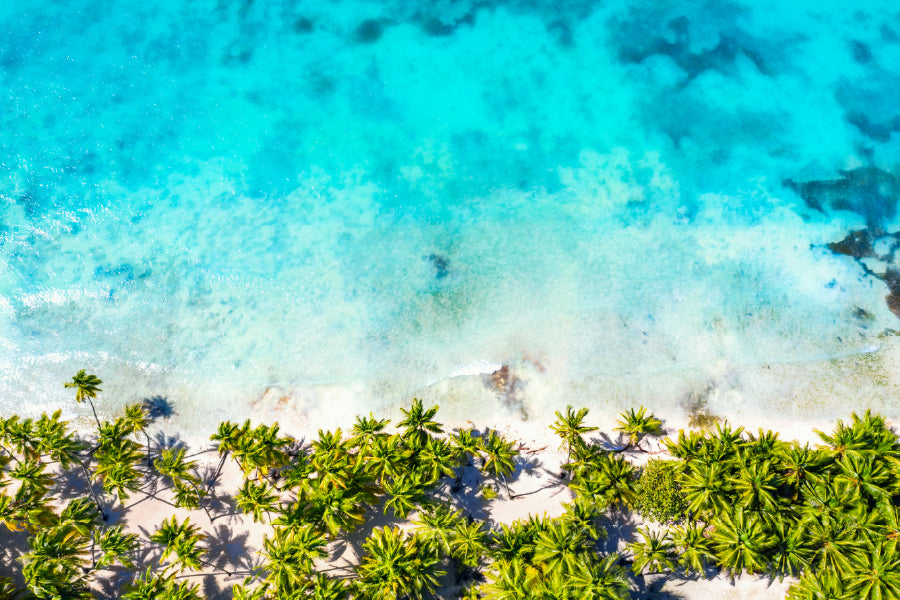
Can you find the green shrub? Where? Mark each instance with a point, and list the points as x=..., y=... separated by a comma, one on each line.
x=658, y=495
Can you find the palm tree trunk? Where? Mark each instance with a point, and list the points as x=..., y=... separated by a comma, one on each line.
x=94, y=410
x=215, y=477
x=506, y=483
x=149, y=460
x=201, y=501
x=90, y=486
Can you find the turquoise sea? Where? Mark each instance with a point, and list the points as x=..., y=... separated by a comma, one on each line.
x=309, y=210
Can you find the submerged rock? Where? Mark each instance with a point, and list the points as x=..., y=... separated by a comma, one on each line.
x=441, y=265
x=869, y=191
x=506, y=385
x=892, y=279
x=370, y=31
x=857, y=244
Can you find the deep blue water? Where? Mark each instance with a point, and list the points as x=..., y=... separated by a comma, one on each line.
x=320, y=208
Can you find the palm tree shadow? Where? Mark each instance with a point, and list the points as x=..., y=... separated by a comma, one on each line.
x=620, y=528
x=227, y=549
x=375, y=518
x=524, y=464
x=70, y=483
x=167, y=442
x=158, y=407
x=463, y=493
x=147, y=553
x=650, y=587
x=15, y=543
x=219, y=505
x=111, y=584
x=532, y=466
x=606, y=442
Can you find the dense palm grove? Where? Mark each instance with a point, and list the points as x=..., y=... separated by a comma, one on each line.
x=729, y=501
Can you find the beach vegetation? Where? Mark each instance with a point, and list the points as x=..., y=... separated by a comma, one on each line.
x=723, y=500
x=657, y=492
x=635, y=424
x=571, y=428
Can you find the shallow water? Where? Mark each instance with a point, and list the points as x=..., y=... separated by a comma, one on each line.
x=310, y=210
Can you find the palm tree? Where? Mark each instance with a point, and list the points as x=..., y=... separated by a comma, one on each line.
x=865, y=473
x=160, y=586
x=834, y=543
x=331, y=460
x=464, y=445
x=115, y=546
x=290, y=555
x=818, y=585
x=366, y=429
x=54, y=568
x=510, y=580
x=468, y=543
x=117, y=460
x=8, y=589
x=637, y=424
x=755, y=486
x=514, y=541
x=584, y=515
x=586, y=459
x=180, y=539
x=227, y=437
x=172, y=465
x=386, y=458
x=890, y=518
x=739, y=541
x=404, y=493
x=397, y=566
x=654, y=554
x=790, y=551
x=86, y=387
x=333, y=510
x=725, y=442
x=498, y=455
x=435, y=460
x=33, y=477
x=560, y=547
x=705, y=488
x=689, y=446
x=694, y=549
x=137, y=419
x=53, y=439
x=436, y=523
x=256, y=499
x=610, y=482
x=876, y=573
x=418, y=423
x=601, y=579
x=844, y=439
x=798, y=464
x=764, y=445
x=326, y=588
x=570, y=427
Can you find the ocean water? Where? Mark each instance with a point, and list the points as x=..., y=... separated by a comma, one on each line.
x=308, y=210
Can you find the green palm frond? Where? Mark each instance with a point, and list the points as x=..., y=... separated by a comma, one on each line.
x=397, y=566
x=86, y=386
x=180, y=539
x=418, y=422
x=654, y=554
x=637, y=423
x=570, y=427
x=256, y=499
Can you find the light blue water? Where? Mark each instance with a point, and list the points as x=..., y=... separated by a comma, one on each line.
x=313, y=209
